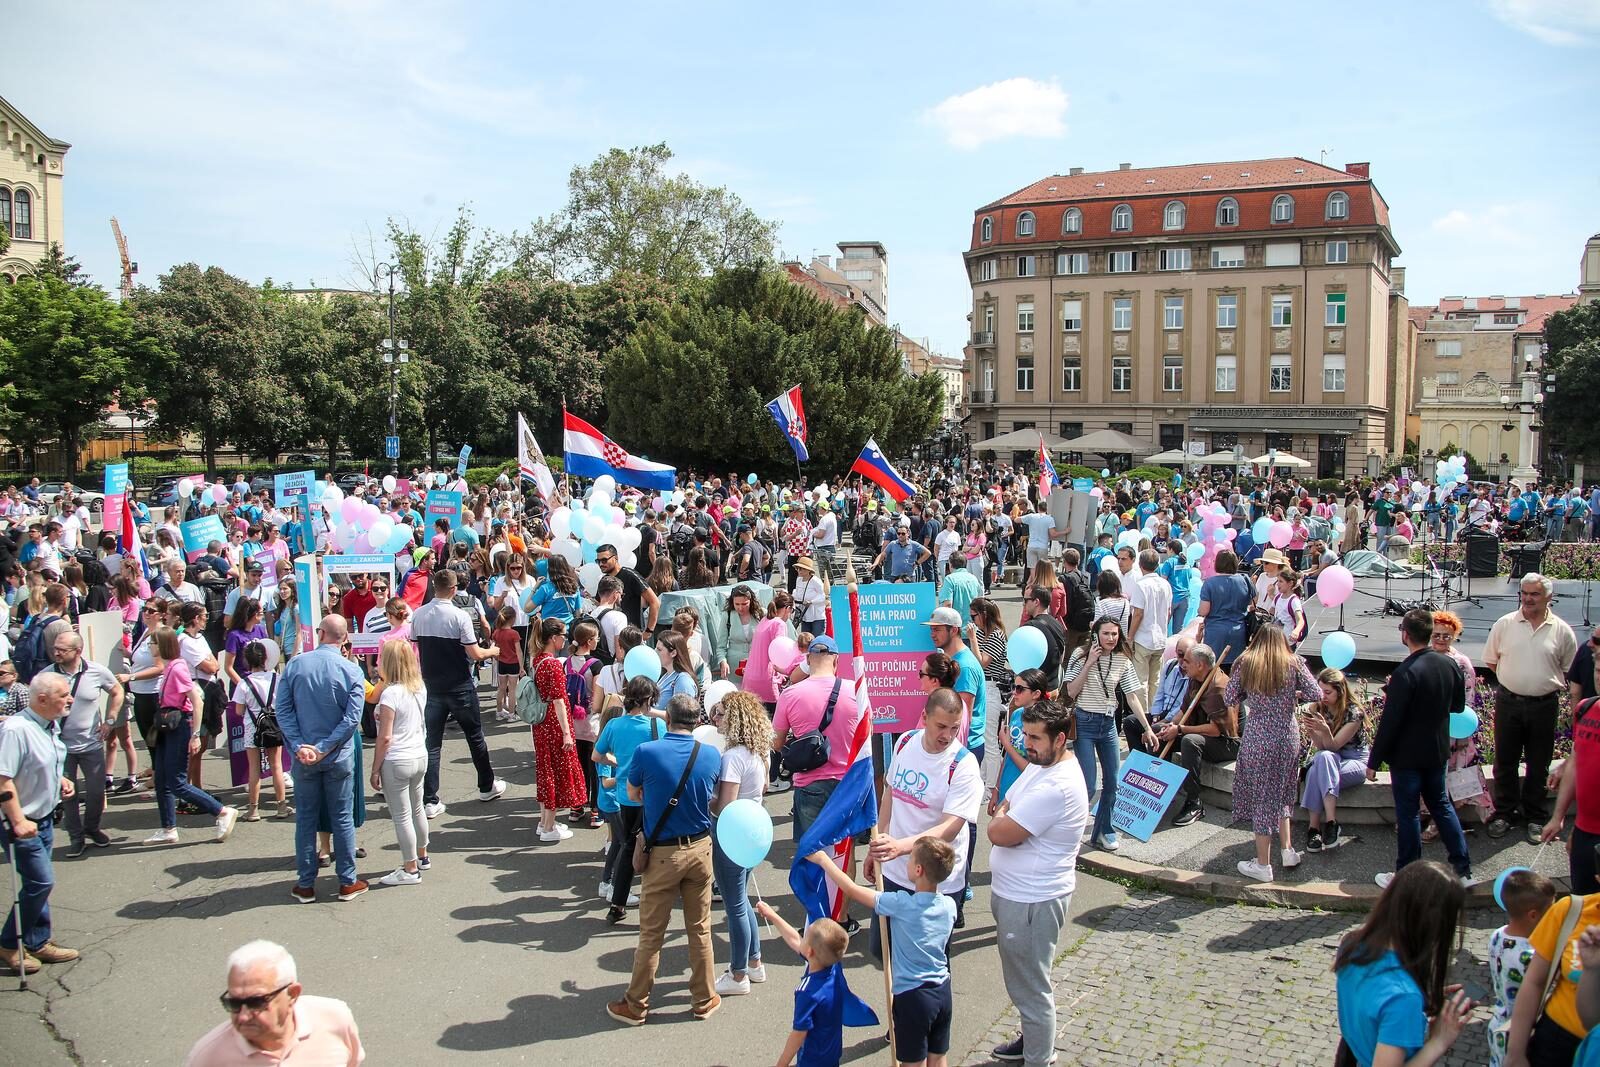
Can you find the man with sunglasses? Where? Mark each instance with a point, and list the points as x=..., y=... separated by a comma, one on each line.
x=637, y=597
x=271, y=1019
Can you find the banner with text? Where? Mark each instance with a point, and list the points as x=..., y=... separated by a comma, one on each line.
x=198, y=533
x=1146, y=788
x=895, y=642
x=377, y=563
x=461, y=461
x=296, y=490
x=116, y=490
x=309, y=592
x=442, y=504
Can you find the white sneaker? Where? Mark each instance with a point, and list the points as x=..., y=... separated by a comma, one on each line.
x=163, y=837
x=494, y=792
x=400, y=876
x=434, y=810
x=633, y=900
x=729, y=986
x=225, y=820
x=1382, y=880
x=1260, y=872
x=605, y=890
x=756, y=974
x=1291, y=858
x=557, y=833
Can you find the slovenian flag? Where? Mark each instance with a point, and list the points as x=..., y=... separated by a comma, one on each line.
x=791, y=416
x=1047, y=471
x=875, y=467
x=852, y=808
x=590, y=453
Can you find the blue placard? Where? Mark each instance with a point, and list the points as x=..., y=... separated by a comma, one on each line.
x=1146, y=788
x=296, y=490
x=461, y=462
x=1082, y=485
x=116, y=478
x=442, y=504
x=894, y=617
x=391, y=447
x=199, y=533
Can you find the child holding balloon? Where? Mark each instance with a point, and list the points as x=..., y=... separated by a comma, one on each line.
x=1526, y=896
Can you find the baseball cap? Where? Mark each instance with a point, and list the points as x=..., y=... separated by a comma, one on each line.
x=822, y=643
x=254, y=566
x=944, y=616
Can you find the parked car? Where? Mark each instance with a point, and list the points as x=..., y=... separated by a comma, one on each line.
x=49, y=491
x=261, y=483
x=299, y=461
x=350, y=481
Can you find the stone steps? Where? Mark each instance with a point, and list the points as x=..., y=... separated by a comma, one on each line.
x=1370, y=804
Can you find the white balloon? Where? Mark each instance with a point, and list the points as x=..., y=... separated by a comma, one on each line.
x=717, y=690
x=605, y=484
x=344, y=536
x=331, y=495
x=599, y=497
x=628, y=540
x=613, y=535
x=380, y=531
x=589, y=577
x=185, y=487
x=389, y=483
x=594, y=528
x=560, y=522
x=568, y=550
x=708, y=734
x=626, y=557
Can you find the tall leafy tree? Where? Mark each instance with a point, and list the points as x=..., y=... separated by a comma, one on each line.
x=627, y=213
x=1570, y=427
x=538, y=339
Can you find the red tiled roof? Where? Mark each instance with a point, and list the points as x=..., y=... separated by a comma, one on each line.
x=1187, y=178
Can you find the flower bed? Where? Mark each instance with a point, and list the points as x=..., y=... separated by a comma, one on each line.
x=1371, y=696
x=1578, y=561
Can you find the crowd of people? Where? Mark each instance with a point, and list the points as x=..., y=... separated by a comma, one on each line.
x=1147, y=644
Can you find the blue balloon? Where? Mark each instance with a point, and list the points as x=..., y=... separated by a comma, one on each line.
x=1025, y=648
x=744, y=830
x=1220, y=536
x=1260, y=530
x=1463, y=723
x=1500, y=883
x=1193, y=552
x=1105, y=472
x=1338, y=650
x=752, y=479
x=641, y=662
x=589, y=550
x=401, y=538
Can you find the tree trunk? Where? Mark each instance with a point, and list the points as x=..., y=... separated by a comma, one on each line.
x=333, y=452
x=433, y=446
x=69, y=438
x=208, y=448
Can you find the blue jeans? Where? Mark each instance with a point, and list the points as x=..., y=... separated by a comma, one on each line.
x=37, y=875
x=1412, y=786
x=460, y=703
x=325, y=788
x=744, y=933
x=1097, y=740
x=171, y=760
x=808, y=802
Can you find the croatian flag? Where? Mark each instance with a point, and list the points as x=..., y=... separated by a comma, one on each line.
x=590, y=453
x=1047, y=471
x=791, y=416
x=874, y=466
x=852, y=808
x=131, y=545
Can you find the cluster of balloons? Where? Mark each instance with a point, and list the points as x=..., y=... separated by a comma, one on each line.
x=580, y=528
x=1450, y=473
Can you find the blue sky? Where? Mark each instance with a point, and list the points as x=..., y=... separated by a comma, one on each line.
x=274, y=139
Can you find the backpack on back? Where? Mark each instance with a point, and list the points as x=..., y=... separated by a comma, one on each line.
x=1080, y=601
x=577, y=687
x=29, y=655
x=531, y=707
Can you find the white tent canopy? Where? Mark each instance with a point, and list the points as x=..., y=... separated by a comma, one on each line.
x=1217, y=459
x=1281, y=459
x=1173, y=456
x=1020, y=439
x=1106, y=443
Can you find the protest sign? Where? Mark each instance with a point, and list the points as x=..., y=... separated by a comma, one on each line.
x=115, y=492
x=308, y=591
x=102, y=636
x=198, y=533
x=1082, y=485
x=1146, y=788
x=461, y=463
x=296, y=490
x=894, y=641
x=442, y=504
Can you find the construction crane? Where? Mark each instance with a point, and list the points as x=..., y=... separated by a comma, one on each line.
x=129, y=267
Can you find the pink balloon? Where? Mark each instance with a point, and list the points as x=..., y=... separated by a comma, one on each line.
x=783, y=654
x=1280, y=534
x=349, y=508
x=1334, y=585
x=656, y=503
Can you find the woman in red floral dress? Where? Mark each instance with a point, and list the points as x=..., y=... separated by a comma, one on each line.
x=555, y=752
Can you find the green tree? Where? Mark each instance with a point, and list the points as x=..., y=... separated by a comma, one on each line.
x=1573, y=336
x=537, y=338
x=692, y=387
x=626, y=213
x=207, y=358
x=65, y=350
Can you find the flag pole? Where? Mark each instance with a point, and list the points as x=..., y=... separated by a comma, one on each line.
x=877, y=869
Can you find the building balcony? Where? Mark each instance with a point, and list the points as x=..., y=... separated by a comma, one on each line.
x=980, y=397
x=983, y=339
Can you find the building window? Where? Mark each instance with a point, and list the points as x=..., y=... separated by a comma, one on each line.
x=1335, y=312
x=1227, y=374
x=1024, y=374
x=1072, y=315
x=1333, y=373
x=986, y=228
x=1121, y=427
x=1506, y=318
x=1121, y=262
x=1027, y=266
x=1172, y=374
x=1072, y=263
x=1337, y=252
x=1071, y=382
x=1283, y=208
x=1172, y=218
x=22, y=215
x=1121, y=218
x=988, y=382
x=1072, y=221
x=1025, y=316
x=1172, y=313
x=1219, y=441
x=1447, y=349
x=988, y=270
x=1280, y=376
x=1281, y=254
x=1282, y=309
x=1338, y=207
x=860, y=275
x=1227, y=255
x=1121, y=374
x=1227, y=212
x=1122, y=313
x=1170, y=435
x=5, y=210
x=1070, y=431
x=1446, y=377
x=1025, y=224
x=1175, y=259
x=1227, y=312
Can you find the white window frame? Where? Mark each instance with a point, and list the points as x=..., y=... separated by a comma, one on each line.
x=1227, y=374
x=1025, y=316
x=1337, y=208
x=988, y=319
x=1072, y=263
x=1333, y=373
x=1335, y=313
x=1176, y=259
x=1072, y=221
x=1281, y=254
x=1122, y=374
x=1122, y=219
x=988, y=269
x=1447, y=349
x=1172, y=374
x=1282, y=209
x=1122, y=314
x=1072, y=374
x=1026, y=224
x=1172, y=313
x=1280, y=382
x=1227, y=311
x=1174, y=215
x=1027, y=266
x=1122, y=261
x=986, y=230
x=1444, y=377
x=1227, y=211
x=1071, y=316
x=1336, y=252
x=1283, y=309
x=1024, y=384
x=1219, y=263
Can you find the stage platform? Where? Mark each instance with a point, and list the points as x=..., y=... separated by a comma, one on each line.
x=1376, y=631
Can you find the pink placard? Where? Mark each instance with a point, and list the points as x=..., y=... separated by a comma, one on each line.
x=897, y=699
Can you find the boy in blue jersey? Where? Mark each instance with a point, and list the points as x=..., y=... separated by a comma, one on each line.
x=823, y=1003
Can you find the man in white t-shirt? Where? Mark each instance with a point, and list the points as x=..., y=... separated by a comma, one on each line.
x=1035, y=835
x=934, y=788
x=825, y=536
x=1041, y=527
x=1152, y=612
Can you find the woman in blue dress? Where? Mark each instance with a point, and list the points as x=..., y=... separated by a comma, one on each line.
x=1224, y=599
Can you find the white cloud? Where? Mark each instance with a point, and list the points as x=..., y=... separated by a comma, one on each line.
x=1557, y=22
x=1016, y=107
x=1501, y=224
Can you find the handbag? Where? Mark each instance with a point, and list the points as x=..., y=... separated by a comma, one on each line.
x=811, y=749
x=642, y=845
x=268, y=733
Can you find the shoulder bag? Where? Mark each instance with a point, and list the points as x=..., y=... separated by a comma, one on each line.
x=644, y=844
x=170, y=716
x=811, y=749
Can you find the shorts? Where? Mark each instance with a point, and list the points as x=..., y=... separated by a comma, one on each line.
x=922, y=1021
x=507, y=670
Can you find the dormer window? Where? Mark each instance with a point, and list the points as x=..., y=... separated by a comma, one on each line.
x=1283, y=208
x=1121, y=218
x=1025, y=224
x=1227, y=212
x=986, y=230
x=1173, y=217
x=1072, y=221
x=1338, y=208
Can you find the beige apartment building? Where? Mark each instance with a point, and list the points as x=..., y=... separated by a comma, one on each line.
x=1207, y=306
x=31, y=168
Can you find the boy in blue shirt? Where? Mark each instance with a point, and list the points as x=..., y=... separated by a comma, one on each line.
x=923, y=922
x=823, y=1003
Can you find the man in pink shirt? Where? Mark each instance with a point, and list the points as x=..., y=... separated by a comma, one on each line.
x=801, y=709
x=270, y=1021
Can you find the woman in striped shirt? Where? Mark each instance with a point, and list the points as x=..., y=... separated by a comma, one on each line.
x=1095, y=678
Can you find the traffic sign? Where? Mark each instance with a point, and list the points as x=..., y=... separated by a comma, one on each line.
x=391, y=447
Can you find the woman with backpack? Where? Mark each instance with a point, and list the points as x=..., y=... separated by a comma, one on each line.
x=555, y=750
x=175, y=740
x=557, y=597
x=206, y=670
x=245, y=629
x=254, y=694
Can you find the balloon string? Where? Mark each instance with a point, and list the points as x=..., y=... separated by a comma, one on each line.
x=757, y=887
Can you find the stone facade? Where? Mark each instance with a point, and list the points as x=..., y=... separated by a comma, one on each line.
x=32, y=165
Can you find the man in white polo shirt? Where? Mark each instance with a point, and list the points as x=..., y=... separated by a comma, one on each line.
x=1151, y=597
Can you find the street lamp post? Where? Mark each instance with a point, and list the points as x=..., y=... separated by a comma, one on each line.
x=395, y=352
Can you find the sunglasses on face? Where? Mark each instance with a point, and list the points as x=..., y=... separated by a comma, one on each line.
x=1021, y=689
x=234, y=1005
